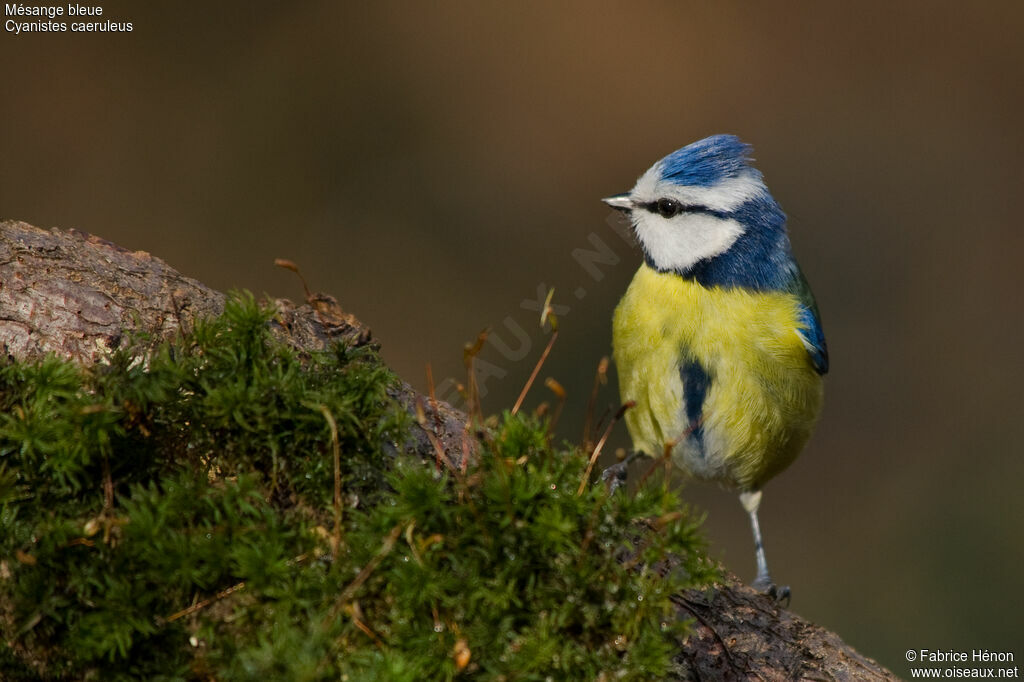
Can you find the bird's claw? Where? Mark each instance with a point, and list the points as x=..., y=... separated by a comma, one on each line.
x=780, y=594
x=615, y=475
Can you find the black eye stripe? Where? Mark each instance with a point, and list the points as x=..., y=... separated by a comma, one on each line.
x=658, y=207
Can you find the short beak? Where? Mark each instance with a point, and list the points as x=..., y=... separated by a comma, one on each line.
x=620, y=202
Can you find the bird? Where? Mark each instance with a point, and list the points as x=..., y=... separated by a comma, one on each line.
x=718, y=340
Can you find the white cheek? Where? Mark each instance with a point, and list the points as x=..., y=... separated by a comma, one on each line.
x=679, y=243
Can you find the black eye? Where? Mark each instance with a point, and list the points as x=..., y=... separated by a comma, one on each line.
x=668, y=207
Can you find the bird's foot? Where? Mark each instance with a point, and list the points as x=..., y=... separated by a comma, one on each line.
x=780, y=594
x=615, y=475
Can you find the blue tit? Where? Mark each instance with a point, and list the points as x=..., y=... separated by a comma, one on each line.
x=718, y=340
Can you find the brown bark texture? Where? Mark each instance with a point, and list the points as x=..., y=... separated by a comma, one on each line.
x=77, y=296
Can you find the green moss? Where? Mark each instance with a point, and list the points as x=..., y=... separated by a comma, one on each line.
x=169, y=515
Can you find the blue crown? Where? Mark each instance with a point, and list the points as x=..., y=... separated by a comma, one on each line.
x=706, y=162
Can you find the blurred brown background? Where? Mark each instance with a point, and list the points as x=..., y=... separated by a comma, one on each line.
x=434, y=166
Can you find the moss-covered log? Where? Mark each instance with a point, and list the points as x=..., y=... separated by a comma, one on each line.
x=80, y=297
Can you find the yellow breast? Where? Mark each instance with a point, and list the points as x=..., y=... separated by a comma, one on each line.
x=763, y=394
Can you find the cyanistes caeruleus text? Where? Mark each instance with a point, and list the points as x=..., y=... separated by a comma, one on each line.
x=718, y=340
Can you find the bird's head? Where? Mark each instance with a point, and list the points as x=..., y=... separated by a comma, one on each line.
x=704, y=210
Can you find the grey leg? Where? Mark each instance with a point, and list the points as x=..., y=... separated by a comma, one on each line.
x=763, y=582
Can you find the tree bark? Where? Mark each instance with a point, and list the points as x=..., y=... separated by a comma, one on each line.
x=77, y=296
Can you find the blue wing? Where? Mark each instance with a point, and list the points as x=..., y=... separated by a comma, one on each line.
x=811, y=333
x=814, y=339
